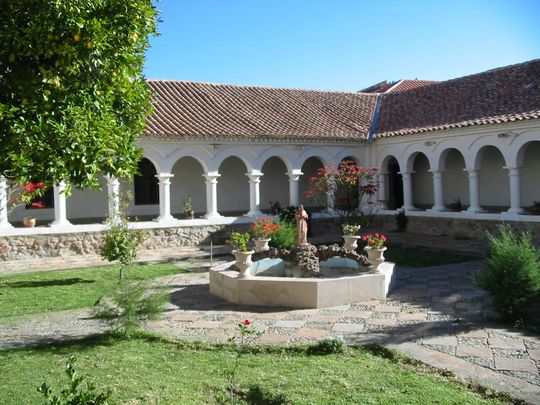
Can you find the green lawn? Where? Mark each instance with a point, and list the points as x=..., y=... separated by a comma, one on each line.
x=152, y=371
x=33, y=293
x=417, y=256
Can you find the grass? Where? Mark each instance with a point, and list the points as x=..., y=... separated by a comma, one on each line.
x=151, y=370
x=416, y=256
x=33, y=293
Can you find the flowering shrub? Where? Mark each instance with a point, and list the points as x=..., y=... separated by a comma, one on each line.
x=350, y=230
x=347, y=184
x=264, y=228
x=375, y=241
x=19, y=196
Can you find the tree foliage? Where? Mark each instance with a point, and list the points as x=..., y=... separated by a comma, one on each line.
x=73, y=96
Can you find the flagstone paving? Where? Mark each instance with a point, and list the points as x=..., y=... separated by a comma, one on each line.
x=435, y=314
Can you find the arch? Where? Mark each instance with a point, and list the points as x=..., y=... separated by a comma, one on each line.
x=319, y=153
x=410, y=157
x=345, y=154
x=493, y=183
x=421, y=180
x=451, y=163
x=245, y=154
x=233, y=187
x=188, y=183
x=202, y=155
x=146, y=184
x=528, y=159
x=152, y=158
x=281, y=153
x=346, y=198
x=310, y=168
x=274, y=183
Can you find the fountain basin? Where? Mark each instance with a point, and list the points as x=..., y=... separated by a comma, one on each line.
x=276, y=290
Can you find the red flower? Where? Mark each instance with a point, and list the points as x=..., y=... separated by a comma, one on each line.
x=246, y=322
x=38, y=205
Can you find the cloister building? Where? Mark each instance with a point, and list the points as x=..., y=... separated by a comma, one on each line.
x=462, y=148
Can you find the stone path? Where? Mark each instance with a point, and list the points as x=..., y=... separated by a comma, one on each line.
x=435, y=315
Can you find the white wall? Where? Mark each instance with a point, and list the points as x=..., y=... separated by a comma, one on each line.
x=455, y=180
x=274, y=184
x=188, y=180
x=530, y=181
x=233, y=186
x=493, y=179
x=422, y=182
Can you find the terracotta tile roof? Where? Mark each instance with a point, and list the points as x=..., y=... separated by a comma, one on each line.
x=190, y=110
x=394, y=87
x=505, y=94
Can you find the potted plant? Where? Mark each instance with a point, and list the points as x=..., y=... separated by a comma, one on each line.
x=262, y=229
x=375, y=249
x=350, y=237
x=188, y=208
x=242, y=253
x=456, y=205
x=29, y=222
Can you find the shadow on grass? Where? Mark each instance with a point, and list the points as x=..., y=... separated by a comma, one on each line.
x=46, y=283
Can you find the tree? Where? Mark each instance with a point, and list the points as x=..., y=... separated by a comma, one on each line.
x=73, y=96
x=349, y=185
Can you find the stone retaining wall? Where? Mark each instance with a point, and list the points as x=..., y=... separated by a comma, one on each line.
x=70, y=244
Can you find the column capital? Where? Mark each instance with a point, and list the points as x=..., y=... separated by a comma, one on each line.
x=164, y=176
x=406, y=175
x=512, y=171
x=211, y=177
x=255, y=176
x=111, y=180
x=294, y=174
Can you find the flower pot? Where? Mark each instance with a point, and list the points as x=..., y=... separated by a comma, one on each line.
x=375, y=257
x=29, y=222
x=261, y=244
x=189, y=215
x=351, y=242
x=243, y=262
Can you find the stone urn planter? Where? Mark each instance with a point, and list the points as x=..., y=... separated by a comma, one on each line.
x=243, y=262
x=29, y=222
x=261, y=244
x=375, y=257
x=351, y=242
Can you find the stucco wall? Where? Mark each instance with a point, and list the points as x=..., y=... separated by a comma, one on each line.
x=233, y=187
x=493, y=180
x=188, y=180
x=455, y=181
x=530, y=182
x=422, y=183
x=274, y=183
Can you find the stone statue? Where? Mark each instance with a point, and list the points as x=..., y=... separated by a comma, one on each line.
x=301, y=225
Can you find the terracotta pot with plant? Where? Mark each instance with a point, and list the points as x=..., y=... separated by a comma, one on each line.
x=188, y=208
x=242, y=253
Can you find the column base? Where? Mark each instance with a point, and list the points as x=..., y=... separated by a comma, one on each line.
x=436, y=209
x=57, y=224
x=475, y=210
x=166, y=219
x=510, y=215
x=212, y=215
x=410, y=208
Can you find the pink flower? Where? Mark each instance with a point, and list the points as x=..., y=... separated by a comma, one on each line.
x=246, y=322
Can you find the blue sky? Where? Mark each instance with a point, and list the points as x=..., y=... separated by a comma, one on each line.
x=339, y=44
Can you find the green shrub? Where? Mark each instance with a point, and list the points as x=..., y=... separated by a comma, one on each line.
x=258, y=395
x=512, y=273
x=327, y=346
x=77, y=393
x=285, y=237
x=401, y=220
x=239, y=241
x=129, y=304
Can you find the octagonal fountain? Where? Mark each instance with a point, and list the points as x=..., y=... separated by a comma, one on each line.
x=306, y=276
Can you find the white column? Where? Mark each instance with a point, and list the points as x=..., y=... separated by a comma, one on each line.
x=254, y=193
x=4, y=223
x=294, y=177
x=514, y=176
x=407, y=191
x=383, y=197
x=474, y=191
x=211, y=194
x=165, y=197
x=60, y=212
x=437, y=191
x=113, y=195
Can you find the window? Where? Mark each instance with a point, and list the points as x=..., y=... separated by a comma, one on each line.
x=146, y=184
